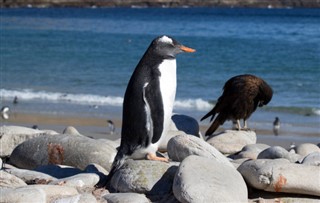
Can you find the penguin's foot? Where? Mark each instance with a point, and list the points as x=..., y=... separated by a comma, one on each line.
x=154, y=157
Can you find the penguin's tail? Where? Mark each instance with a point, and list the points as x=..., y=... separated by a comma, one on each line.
x=117, y=163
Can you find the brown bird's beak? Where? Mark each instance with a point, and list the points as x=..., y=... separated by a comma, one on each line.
x=187, y=49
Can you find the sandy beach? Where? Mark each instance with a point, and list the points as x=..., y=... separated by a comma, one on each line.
x=97, y=127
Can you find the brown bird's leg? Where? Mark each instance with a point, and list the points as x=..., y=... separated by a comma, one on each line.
x=154, y=157
x=245, y=126
x=238, y=124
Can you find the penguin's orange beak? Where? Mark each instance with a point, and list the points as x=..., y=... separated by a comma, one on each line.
x=187, y=49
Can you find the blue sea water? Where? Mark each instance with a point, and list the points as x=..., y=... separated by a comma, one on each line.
x=69, y=61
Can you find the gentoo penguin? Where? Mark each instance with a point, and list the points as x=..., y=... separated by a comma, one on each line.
x=148, y=102
x=276, y=126
x=241, y=96
x=111, y=126
x=5, y=112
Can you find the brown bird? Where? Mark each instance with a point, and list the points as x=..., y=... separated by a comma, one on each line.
x=241, y=96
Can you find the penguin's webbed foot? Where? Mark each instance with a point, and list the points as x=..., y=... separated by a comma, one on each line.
x=154, y=157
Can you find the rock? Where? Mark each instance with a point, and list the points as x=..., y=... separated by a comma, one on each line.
x=76, y=151
x=78, y=181
x=182, y=146
x=180, y=125
x=251, y=151
x=279, y=175
x=70, y=130
x=277, y=152
x=201, y=179
x=1, y=164
x=126, y=197
x=36, y=193
x=58, y=171
x=80, y=198
x=10, y=181
x=11, y=136
x=312, y=159
x=306, y=148
x=30, y=176
x=144, y=176
x=232, y=141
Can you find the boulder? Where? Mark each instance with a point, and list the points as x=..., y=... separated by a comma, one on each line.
x=306, y=148
x=312, y=159
x=80, y=198
x=182, y=146
x=126, y=197
x=82, y=180
x=279, y=175
x=30, y=176
x=251, y=151
x=144, y=176
x=10, y=181
x=11, y=136
x=201, y=179
x=71, y=150
x=277, y=152
x=232, y=141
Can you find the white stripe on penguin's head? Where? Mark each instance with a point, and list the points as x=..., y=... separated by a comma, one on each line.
x=166, y=39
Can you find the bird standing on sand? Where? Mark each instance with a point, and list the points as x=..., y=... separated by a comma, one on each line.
x=148, y=102
x=276, y=126
x=111, y=126
x=241, y=96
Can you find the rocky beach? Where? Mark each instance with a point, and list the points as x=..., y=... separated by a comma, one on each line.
x=231, y=166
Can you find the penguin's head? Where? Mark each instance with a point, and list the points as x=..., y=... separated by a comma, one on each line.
x=168, y=47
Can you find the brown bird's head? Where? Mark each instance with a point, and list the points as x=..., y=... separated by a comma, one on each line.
x=265, y=94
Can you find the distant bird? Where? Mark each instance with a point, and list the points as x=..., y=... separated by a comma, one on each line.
x=111, y=126
x=15, y=100
x=241, y=96
x=276, y=126
x=35, y=127
x=5, y=112
x=148, y=102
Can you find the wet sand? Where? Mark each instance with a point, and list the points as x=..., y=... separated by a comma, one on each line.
x=98, y=128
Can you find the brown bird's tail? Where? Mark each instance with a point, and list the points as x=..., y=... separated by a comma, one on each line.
x=214, y=126
x=211, y=113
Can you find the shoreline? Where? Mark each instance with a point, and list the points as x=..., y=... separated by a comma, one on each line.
x=97, y=127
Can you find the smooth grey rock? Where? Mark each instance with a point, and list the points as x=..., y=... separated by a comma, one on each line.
x=1, y=164
x=70, y=130
x=144, y=176
x=251, y=151
x=78, y=181
x=180, y=125
x=312, y=159
x=306, y=148
x=11, y=136
x=80, y=198
x=279, y=175
x=232, y=141
x=58, y=171
x=30, y=176
x=36, y=193
x=182, y=146
x=76, y=151
x=201, y=179
x=277, y=152
x=10, y=181
x=126, y=197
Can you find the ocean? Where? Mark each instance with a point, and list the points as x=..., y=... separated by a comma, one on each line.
x=78, y=61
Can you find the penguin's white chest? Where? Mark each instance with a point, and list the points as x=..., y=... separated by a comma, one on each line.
x=168, y=82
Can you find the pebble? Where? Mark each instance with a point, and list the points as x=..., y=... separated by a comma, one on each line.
x=126, y=197
x=312, y=159
x=144, y=176
x=76, y=151
x=78, y=181
x=182, y=146
x=201, y=179
x=306, y=148
x=70, y=130
x=30, y=176
x=250, y=151
x=8, y=180
x=279, y=175
x=232, y=141
x=80, y=198
x=11, y=136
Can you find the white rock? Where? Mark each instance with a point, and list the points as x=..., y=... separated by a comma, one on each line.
x=10, y=181
x=306, y=148
x=30, y=175
x=182, y=146
x=251, y=151
x=70, y=130
x=201, y=179
x=126, y=197
x=144, y=176
x=279, y=175
x=78, y=181
x=312, y=159
x=11, y=136
x=232, y=141
x=76, y=151
x=277, y=152
x=80, y=198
